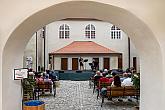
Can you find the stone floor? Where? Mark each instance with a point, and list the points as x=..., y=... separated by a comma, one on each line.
x=76, y=95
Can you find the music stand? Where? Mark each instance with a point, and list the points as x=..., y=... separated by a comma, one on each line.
x=86, y=60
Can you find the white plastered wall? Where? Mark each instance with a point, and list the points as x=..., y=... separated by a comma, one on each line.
x=57, y=60
x=145, y=25
x=77, y=33
x=114, y=62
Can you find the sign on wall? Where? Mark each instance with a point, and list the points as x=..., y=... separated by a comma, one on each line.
x=29, y=62
x=20, y=73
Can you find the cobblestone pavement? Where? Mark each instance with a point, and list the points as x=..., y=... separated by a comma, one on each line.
x=76, y=95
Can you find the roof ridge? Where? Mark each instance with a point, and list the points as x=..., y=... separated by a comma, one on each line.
x=84, y=47
x=103, y=46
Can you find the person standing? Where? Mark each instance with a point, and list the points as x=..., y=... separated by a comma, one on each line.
x=81, y=61
x=95, y=64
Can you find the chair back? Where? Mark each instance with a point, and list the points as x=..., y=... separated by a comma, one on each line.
x=105, y=84
x=48, y=85
x=129, y=91
x=117, y=91
x=45, y=85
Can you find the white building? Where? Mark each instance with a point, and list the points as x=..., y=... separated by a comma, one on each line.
x=62, y=33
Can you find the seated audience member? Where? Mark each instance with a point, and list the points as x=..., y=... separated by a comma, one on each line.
x=112, y=78
x=127, y=81
x=101, y=71
x=125, y=75
x=98, y=73
x=109, y=75
x=132, y=69
x=103, y=80
x=97, y=76
x=116, y=82
x=46, y=79
x=128, y=70
x=106, y=71
x=39, y=79
x=47, y=71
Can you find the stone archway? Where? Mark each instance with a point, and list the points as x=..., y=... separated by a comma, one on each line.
x=143, y=38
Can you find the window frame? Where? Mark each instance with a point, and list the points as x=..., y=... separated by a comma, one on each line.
x=116, y=32
x=90, y=31
x=64, y=31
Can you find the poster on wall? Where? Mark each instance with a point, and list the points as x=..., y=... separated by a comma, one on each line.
x=29, y=62
x=20, y=73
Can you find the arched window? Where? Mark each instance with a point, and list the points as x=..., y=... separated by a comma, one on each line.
x=64, y=31
x=115, y=32
x=90, y=31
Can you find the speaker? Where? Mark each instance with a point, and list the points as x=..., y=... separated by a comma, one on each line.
x=78, y=71
x=60, y=71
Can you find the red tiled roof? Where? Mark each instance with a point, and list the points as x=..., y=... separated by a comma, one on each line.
x=83, y=47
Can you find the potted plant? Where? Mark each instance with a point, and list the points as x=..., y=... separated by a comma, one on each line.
x=136, y=80
x=28, y=87
x=136, y=83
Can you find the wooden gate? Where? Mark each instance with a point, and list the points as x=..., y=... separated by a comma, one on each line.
x=106, y=63
x=64, y=63
x=74, y=63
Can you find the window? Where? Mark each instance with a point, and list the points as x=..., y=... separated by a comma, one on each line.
x=115, y=32
x=64, y=31
x=90, y=31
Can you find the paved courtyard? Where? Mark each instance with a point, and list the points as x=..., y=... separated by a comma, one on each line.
x=76, y=95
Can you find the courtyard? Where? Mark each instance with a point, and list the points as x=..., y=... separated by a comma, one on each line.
x=77, y=95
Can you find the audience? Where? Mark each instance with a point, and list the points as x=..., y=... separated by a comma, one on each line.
x=115, y=81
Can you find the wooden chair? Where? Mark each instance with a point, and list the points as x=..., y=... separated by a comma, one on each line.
x=117, y=91
x=113, y=92
x=96, y=82
x=131, y=91
x=121, y=91
x=46, y=86
x=102, y=85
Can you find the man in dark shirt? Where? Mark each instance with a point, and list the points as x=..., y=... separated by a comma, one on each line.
x=81, y=63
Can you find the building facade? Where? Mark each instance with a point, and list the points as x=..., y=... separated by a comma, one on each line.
x=61, y=33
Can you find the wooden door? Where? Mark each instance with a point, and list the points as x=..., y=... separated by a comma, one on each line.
x=97, y=62
x=106, y=63
x=64, y=63
x=74, y=63
x=120, y=63
x=134, y=63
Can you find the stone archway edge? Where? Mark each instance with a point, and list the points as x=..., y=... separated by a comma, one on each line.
x=141, y=34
